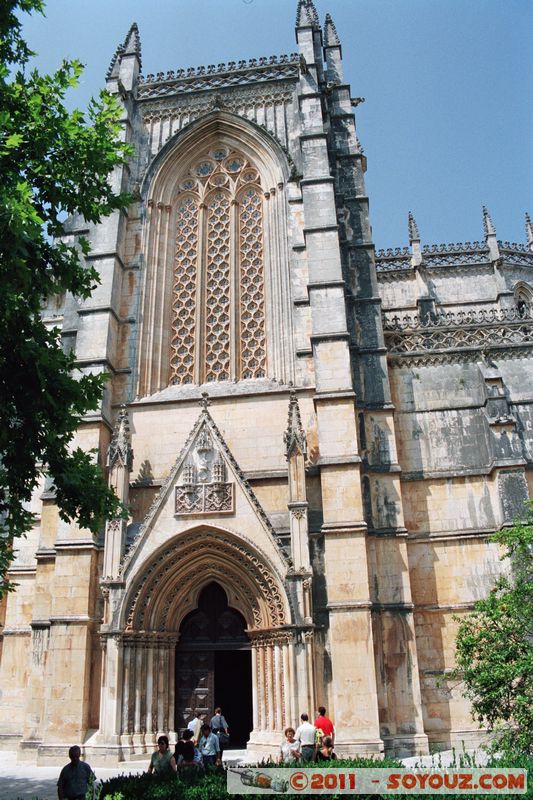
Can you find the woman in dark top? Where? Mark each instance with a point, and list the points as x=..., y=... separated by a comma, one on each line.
x=325, y=751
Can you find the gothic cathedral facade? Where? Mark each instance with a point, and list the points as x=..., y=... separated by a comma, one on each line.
x=315, y=440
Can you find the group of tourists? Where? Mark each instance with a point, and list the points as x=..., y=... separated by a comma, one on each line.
x=310, y=742
x=200, y=745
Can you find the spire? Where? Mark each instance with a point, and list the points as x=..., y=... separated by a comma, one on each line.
x=490, y=235
x=120, y=447
x=132, y=42
x=331, y=37
x=294, y=436
x=414, y=241
x=130, y=47
x=529, y=232
x=488, y=225
x=313, y=12
x=112, y=71
x=414, y=235
x=306, y=15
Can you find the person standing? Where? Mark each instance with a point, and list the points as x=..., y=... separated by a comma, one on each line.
x=74, y=777
x=322, y=723
x=195, y=725
x=305, y=735
x=197, y=756
x=209, y=747
x=290, y=748
x=219, y=726
x=163, y=761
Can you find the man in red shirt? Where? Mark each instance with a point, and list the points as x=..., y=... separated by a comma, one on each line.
x=322, y=723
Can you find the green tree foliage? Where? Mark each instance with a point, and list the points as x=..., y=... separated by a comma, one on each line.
x=495, y=646
x=53, y=163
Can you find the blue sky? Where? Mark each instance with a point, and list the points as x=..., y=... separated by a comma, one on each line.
x=446, y=125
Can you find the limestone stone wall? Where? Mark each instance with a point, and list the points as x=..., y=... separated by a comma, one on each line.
x=390, y=435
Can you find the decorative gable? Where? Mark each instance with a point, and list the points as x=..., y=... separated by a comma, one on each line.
x=205, y=481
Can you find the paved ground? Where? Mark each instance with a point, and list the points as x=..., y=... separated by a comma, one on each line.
x=27, y=782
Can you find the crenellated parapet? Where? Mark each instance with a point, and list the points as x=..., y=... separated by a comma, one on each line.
x=220, y=76
x=462, y=333
x=451, y=255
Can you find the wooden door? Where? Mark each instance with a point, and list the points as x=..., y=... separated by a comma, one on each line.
x=195, y=685
x=206, y=632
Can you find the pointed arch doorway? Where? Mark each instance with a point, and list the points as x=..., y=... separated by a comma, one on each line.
x=214, y=666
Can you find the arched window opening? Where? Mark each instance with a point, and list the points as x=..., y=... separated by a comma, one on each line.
x=523, y=305
x=218, y=301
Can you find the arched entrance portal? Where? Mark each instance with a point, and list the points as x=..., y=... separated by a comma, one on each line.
x=214, y=665
x=156, y=618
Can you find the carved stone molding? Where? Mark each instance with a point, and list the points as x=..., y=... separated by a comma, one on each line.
x=194, y=106
x=175, y=560
x=224, y=75
x=456, y=356
x=451, y=256
x=270, y=638
x=479, y=330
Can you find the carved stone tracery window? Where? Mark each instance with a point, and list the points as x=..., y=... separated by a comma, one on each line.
x=218, y=302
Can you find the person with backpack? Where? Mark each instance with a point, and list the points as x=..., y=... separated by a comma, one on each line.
x=220, y=727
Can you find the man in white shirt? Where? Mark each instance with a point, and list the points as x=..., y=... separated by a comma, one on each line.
x=305, y=735
x=195, y=726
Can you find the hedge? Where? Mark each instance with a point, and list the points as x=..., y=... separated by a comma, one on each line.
x=211, y=785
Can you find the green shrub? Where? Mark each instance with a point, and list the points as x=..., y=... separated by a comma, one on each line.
x=212, y=784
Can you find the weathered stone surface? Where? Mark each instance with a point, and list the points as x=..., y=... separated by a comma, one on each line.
x=347, y=556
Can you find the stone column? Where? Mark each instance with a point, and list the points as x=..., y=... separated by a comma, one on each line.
x=149, y=692
x=160, y=697
x=273, y=679
x=138, y=697
x=172, y=732
x=125, y=730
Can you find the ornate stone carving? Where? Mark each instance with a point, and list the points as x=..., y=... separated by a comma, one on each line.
x=130, y=46
x=414, y=235
x=331, y=37
x=234, y=73
x=452, y=255
x=221, y=447
x=465, y=330
x=203, y=489
x=294, y=436
x=120, y=451
x=252, y=300
x=184, y=291
x=217, y=180
x=299, y=512
x=175, y=559
x=269, y=638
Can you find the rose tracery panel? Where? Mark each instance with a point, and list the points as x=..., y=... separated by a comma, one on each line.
x=218, y=296
x=252, y=303
x=218, y=310
x=184, y=292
